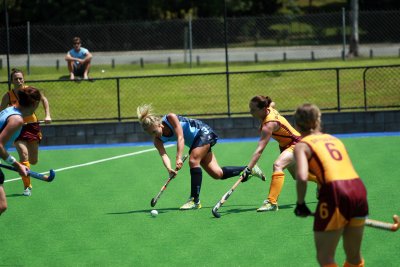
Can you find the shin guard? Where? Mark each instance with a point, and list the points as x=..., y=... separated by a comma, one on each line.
x=26, y=179
x=196, y=179
x=276, y=185
x=228, y=172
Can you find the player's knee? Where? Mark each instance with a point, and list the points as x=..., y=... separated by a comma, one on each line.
x=217, y=176
x=277, y=166
x=194, y=163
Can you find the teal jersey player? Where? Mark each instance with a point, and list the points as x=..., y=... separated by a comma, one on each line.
x=199, y=138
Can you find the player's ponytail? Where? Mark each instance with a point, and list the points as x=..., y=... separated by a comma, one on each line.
x=146, y=116
x=262, y=101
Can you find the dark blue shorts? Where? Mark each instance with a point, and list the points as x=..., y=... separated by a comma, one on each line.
x=79, y=69
x=203, y=139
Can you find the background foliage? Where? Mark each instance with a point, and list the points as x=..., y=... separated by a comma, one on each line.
x=81, y=11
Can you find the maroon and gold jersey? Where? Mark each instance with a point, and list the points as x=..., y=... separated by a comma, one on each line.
x=342, y=197
x=286, y=135
x=329, y=160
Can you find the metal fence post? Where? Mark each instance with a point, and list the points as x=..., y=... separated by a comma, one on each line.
x=118, y=100
x=185, y=46
x=344, y=33
x=190, y=40
x=338, y=89
x=365, y=88
x=28, y=37
x=227, y=62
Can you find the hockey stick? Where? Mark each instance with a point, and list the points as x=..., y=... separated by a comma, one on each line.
x=155, y=199
x=381, y=225
x=36, y=122
x=36, y=175
x=225, y=197
x=384, y=225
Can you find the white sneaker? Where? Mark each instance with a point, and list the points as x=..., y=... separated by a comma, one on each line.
x=268, y=206
x=27, y=192
x=256, y=171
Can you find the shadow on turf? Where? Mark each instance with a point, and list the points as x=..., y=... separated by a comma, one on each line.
x=15, y=195
x=253, y=209
x=77, y=78
x=142, y=211
x=223, y=211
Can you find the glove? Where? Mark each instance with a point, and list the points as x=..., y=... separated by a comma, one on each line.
x=246, y=173
x=302, y=210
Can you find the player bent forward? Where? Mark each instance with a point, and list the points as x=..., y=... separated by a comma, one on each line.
x=196, y=135
x=342, y=203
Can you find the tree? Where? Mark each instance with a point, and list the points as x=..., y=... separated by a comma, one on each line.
x=354, y=41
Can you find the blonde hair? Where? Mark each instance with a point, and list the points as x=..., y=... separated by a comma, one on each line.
x=308, y=118
x=146, y=116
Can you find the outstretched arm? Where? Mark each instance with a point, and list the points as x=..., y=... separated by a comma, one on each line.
x=180, y=143
x=46, y=108
x=266, y=133
x=164, y=156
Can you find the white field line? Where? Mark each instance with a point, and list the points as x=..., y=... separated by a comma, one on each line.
x=94, y=162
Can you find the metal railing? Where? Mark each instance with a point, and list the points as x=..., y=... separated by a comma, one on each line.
x=222, y=94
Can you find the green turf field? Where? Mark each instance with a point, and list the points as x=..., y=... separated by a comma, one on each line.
x=97, y=213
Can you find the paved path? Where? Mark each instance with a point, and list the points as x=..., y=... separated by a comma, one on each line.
x=208, y=55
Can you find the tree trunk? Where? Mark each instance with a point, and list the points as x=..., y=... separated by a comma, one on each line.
x=354, y=42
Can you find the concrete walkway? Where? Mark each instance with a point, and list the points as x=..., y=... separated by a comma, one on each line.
x=208, y=55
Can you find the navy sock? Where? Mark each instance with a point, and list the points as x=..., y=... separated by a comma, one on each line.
x=196, y=179
x=229, y=171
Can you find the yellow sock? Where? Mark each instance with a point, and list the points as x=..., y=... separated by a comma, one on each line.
x=361, y=264
x=275, y=187
x=26, y=179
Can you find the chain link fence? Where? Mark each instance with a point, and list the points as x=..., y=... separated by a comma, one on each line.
x=210, y=94
x=266, y=38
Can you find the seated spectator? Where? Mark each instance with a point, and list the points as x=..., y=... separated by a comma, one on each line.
x=78, y=60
